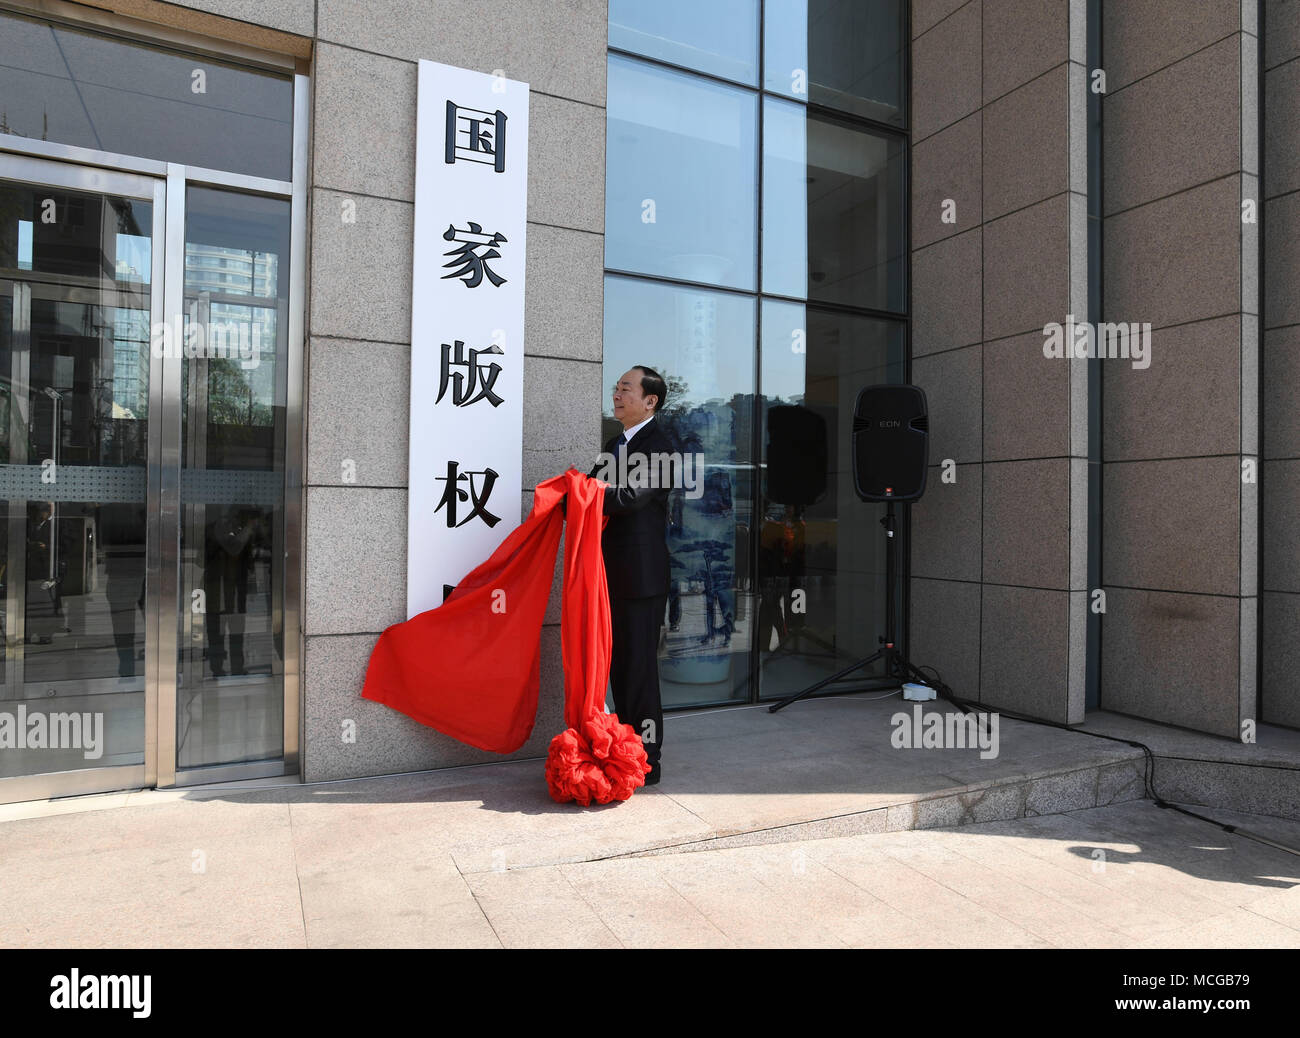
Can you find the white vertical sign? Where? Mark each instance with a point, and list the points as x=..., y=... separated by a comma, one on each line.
x=467, y=325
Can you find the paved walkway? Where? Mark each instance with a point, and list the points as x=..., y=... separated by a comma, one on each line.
x=1130, y=875
x=805, y=828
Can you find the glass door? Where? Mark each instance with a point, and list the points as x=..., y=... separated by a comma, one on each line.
x=79, y=293
x=233, y=417
x=145, y=367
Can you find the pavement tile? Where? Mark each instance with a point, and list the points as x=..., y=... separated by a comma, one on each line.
x=939, y=914
x=725, y=888
x=539, y=908
x=642, y=908
x=428, y=904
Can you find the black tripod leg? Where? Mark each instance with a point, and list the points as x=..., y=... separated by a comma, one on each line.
x=825, y=681
x=914, y=673
x=920, y=677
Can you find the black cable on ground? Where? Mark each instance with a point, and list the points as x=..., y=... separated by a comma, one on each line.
x=1149, y=771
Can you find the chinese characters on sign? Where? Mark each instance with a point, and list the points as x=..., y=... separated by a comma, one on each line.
x=454, y=493
x=475, y=262
x=467, y=325
x=462, y=386
x=483, y=135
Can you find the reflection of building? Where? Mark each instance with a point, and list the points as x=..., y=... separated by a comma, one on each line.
x=244, y=334
x=131, y=360
x=127, y=271
x=235, y=272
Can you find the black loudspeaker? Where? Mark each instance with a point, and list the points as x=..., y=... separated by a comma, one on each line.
x=891, y=443
x=796, y=455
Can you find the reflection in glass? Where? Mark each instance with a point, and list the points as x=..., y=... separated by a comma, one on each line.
x=94, y=91
x=821, y=559
x=680, y=176
x=230, y=703
x=702, y=342
x=832, y=211
x=793, y=592
x=785, y=198
x=75, y=297
x=844, y=54
x=719, y=37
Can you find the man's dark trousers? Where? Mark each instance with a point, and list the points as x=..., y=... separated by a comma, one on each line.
x=634, y=667
x=636, y=568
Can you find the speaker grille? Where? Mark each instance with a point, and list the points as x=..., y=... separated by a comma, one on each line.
x=890, y=443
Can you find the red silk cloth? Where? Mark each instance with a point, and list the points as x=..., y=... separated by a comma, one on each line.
x=471, y=667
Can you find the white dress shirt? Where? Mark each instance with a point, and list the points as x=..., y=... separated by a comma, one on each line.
x=629, y=433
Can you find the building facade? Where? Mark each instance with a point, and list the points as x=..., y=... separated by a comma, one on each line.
x=773, y=203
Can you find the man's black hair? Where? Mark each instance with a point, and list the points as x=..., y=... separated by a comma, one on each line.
x=653, y=384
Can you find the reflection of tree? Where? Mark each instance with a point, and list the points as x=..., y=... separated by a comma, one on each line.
x=231, y=400
x=678, y=392
x=126, y=218
x=115, y=438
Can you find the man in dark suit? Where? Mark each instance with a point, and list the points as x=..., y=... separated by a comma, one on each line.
x=636, y=554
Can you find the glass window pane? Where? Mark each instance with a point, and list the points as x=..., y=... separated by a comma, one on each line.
x=785, y=198
x=231, y=658
x=815, y=536
x=844, y=54
x=846, y=202
x=719, y=37
x=105, y=93
x=76, y=291
x=702, y=342
x=680, y=176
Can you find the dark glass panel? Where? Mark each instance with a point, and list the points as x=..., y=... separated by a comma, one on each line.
x=832, y=211
x=821, y=555
x=844, y=54
x=58, y=84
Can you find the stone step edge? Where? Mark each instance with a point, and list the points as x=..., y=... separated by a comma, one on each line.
x=1253, y=788
x=1230, y=785
x=1096, y=785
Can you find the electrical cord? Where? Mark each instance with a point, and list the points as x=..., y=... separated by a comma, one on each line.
x=1149, y=771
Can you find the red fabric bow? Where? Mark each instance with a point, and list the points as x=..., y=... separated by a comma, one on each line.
x=471, y=667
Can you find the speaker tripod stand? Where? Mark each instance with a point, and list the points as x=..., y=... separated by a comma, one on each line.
x=897, y=665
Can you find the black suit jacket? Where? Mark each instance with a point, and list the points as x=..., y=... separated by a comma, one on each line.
x=635, y=539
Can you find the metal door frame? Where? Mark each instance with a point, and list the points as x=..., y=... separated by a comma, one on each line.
x=165, y=183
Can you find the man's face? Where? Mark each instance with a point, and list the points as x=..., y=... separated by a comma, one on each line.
x=630, y=404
